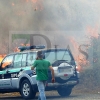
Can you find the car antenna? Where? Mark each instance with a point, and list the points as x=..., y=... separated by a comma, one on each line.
x=55, y=51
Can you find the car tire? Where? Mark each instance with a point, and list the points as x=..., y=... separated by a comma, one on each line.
x=26, y=90
x=64, y=91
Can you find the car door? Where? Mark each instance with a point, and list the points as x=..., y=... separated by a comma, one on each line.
x=5, y=76
x=19, y=66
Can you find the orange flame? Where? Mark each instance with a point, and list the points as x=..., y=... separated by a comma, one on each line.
x=73, y=41
x=15, y=50
x=38, y=4
x=34, y=1
x=80, y=59
x=93, y=32
x=22, y=44
x=1, y=57
x=13, y=4
x=27, y=0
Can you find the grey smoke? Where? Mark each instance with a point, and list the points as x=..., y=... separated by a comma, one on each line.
x=56, y=15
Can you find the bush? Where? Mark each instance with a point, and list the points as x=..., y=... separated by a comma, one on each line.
x=90, y=80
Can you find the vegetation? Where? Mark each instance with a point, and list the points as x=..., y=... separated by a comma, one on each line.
x=90, y=78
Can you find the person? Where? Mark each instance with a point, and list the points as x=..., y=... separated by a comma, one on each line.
x=42, y=67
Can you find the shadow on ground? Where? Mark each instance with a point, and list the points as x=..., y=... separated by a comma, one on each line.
x=48, y=97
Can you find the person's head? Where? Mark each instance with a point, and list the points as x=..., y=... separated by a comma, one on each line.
x=39, y=55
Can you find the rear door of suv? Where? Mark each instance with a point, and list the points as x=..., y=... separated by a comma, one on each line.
x=62, y=61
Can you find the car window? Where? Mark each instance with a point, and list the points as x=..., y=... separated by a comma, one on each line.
x=24, y=60
x=58, y=55
x=31, y=58
x=7, y=62
x=18, y=60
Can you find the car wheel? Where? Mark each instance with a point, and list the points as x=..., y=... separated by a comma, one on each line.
x=64, y=91
x=26, y=90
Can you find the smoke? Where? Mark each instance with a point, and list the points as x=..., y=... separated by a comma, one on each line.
x=46, y=15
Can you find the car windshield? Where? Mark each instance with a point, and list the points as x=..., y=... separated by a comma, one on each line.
x=53, y=56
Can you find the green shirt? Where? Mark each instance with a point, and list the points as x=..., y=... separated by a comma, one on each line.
x=41, y=69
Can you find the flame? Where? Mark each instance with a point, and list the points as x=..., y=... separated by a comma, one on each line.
x=75, y=44
x=13, y=4
x=93, y=32
x=80, y=58
x=38, y=4
x=16, y=49
x=75, y=48
x=27, y=0
x=33, y=4
x=22, y=44
x=1, y=57
x=34, y=1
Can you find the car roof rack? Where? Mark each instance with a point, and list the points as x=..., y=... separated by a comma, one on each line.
x=23, y=48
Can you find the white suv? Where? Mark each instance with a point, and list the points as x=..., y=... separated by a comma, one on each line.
x=16, y=74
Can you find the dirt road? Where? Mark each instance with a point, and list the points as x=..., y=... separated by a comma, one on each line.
x=54, y=96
